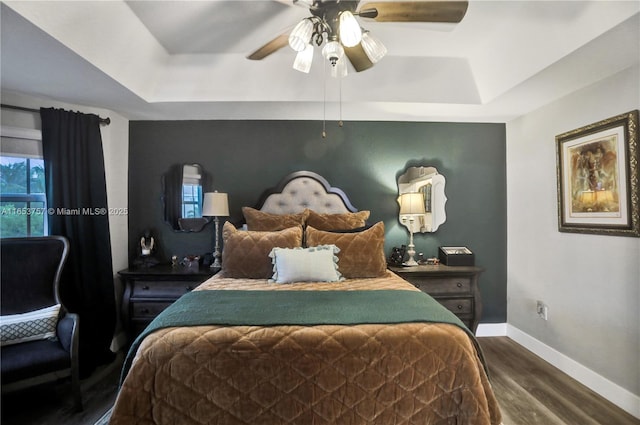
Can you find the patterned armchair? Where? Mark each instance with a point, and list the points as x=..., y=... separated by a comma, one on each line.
x=39, y=337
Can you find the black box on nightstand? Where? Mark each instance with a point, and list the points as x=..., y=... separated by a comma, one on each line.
x=456, y=256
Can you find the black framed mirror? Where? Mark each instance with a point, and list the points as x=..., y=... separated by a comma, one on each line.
x=183, y=187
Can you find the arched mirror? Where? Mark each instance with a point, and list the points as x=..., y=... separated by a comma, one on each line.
x=421, y=199
x=183, y=187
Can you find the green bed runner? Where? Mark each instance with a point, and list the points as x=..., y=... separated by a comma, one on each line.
x=306, y=308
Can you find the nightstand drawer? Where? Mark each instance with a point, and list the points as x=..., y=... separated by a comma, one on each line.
x=150, y=310
x=441, y=285
x=161, y=288
x=150, y=290
x=455, y=287
x=457, y=305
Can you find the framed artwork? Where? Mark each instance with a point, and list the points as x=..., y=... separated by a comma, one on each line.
x=597, y=167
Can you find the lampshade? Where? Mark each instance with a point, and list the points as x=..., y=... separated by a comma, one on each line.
x=301, y=34
x=333, y=51
x=304, y=59
x=350, y=32
x=215, y=204
x=373, y=47
x=411, y=203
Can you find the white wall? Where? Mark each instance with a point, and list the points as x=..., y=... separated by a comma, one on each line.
x=591, y=283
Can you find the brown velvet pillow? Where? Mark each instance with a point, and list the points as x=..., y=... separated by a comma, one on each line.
x=262, y=221
x=246, y=253
x=343, y=221
x=361, y=253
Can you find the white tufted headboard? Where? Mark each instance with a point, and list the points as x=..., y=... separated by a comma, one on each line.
x=305, y=189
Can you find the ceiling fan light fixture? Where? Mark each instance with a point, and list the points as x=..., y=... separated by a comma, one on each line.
x=340, y=69
x=333, y=52
x=303, y=59
x=373, y=47
x=301, y=34
x=350, y=31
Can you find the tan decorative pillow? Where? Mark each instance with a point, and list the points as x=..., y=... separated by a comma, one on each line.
x=246, y=253
x=343, y=221
x=361, y=253
x=262, y=221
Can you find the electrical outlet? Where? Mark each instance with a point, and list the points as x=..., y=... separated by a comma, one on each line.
x=543, y=310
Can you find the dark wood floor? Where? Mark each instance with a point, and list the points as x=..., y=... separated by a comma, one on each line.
x=530, y=392
x=52, y=404
x=533, y=392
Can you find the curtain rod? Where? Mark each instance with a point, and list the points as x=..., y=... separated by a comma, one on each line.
x=105, y=121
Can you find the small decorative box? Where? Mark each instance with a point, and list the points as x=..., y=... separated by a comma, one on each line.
x=456, y=256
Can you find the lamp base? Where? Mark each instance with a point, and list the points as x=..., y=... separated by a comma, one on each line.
x=411, y=251
x=216, y=253
x=217, y=264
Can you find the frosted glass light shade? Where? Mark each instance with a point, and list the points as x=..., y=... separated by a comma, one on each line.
x=333, y=51
x=301, y=34
x=350, y=32
x=304, y=59
x=373, y=47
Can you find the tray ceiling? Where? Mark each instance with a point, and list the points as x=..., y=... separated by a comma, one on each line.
x=187, y=59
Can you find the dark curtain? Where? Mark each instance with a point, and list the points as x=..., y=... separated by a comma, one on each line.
x=77, y=199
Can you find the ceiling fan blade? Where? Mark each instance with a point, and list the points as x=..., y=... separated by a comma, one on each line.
x=301, y=3
x=272, y=46
x=358, y=57
x=417, y=11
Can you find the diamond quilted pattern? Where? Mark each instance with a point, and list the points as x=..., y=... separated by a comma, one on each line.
x=343, y=221
x=413, y=373
x=361, y=253
x=263, y=221
x=246, y=253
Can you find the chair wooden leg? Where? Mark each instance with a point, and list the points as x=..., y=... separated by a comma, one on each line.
x=76, y=390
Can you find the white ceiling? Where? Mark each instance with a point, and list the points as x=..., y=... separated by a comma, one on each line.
x=187, y=59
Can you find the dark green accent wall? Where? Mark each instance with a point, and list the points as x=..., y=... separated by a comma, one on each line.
x=362, y=158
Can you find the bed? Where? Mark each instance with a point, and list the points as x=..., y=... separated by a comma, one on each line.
x=305, y=325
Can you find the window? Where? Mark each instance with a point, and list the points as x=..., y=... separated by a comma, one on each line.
x=191, y=191
x=23, y=205
x=191, y=200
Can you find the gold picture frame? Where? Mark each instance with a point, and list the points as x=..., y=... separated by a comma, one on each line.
x=597, y=174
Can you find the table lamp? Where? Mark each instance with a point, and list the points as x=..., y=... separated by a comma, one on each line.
x=216, y=204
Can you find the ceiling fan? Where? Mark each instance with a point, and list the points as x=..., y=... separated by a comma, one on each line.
x=334, y=23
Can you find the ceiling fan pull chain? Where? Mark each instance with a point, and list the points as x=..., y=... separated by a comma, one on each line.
x=340, y=90
x=324, y=100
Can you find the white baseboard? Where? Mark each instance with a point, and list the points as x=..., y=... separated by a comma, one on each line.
x=492, y=329
x=619, y=396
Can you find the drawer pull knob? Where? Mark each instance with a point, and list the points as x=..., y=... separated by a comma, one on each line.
x=459, y=285
x=145, y=310
x=459, y=307
x=145, y=287
x=189, y=288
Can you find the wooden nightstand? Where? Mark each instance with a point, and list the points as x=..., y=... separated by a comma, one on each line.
x=455, y=287
x=148, y=291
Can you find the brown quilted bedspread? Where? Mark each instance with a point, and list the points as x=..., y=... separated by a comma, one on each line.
x=414, y=373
